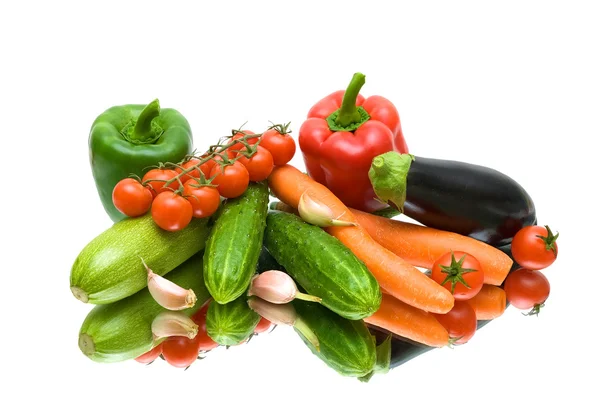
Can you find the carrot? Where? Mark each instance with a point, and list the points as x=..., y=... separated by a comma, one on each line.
x=489, y=303
x=409, y=322
x=395, y=276
x=422, y=246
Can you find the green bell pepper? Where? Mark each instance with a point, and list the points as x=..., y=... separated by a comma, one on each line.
x=128, y=139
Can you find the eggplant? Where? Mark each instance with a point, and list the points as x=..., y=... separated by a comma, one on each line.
x=454, y=196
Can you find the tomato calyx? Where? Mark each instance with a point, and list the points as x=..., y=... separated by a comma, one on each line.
x=549, y=240
x=282, y=129
x=454, y=272
x=535, y=310
x=452, y=341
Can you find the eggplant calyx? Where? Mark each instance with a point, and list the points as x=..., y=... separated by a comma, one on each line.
x=388, y=175
x=455, y=271
x=550, y=240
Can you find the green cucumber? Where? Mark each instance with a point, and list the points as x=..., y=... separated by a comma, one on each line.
x=234, y=244
x=322, y=265
x=344, y=345
x=123, y=330
x=109, y=268
x=231, y=323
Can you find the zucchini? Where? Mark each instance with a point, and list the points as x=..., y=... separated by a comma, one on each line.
x=345, y=345
x=234, y=244
x=109, y=268
x=121, y=331
x=322, y=265
x=231, y=323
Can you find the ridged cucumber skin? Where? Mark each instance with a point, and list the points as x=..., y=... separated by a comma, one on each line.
x=109, y=268
x=121, y=331
x=322, y=265
x=344, y=345
x=231, y=323
x=234, y=244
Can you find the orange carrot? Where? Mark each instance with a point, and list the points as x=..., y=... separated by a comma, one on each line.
x=421, y=246
x=395, y=276
x=409, y=322
x=489, y=303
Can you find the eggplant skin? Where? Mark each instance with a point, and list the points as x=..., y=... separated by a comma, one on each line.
x=468, y=199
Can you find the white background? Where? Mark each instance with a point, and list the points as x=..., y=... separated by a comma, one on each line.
x=511, y=85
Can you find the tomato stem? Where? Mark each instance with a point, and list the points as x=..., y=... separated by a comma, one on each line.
x=549, y=240
x=535, y=310
x=282, y=129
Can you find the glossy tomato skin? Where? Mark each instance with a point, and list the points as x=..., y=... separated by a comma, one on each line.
x=180, y=351
x=474, y=279
x=131, y=198
x=205, y=200
x=460, y=322
x=526, y=288
x=205, y=343
x=281, y=147
x=158, y=187
x=171, y=212
x=233, y=151
x=151, y=355
x=529, y=248
x=260, y=165
x=231, y=180
x=263, y=325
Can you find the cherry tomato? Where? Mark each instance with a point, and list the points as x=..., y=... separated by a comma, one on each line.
x=463, y=278
x=205, y=343
x=231, y=180
x=260, y=165
x=460, y=322
x=171, y=212
x=158, y=175
x=205, y=200
x=192, y=174
x=263, y=326
x=131, y=198
x=534, y=247
x=234, y=150
x=527, y=289
x=180, y=351
x=281, y=146
x=151, y=355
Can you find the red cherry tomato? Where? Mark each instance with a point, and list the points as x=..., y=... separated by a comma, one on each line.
x=171, y=212
x=463, y=278
x=527, y=289
x=180, y=351
x=205, y=200
x=460, y=322
x=281, y=146
x=131, y=198
x=158, y=178
x=260, y=165
x=263, y=326
x=151, y=355
x=233, y=151
x=205, y=343
x=231, y=180
x=534, y=247
x=193, y=173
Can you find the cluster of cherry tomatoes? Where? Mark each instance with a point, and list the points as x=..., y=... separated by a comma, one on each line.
x=193, y=188
x=533, y=248
x=181, y=352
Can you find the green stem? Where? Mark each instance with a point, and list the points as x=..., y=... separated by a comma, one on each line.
x=144, y=130
x=348, y=113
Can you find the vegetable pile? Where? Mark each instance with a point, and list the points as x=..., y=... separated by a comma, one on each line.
x=211, y=248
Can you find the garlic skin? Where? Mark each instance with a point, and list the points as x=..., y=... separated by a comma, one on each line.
x=173, y=323
x=317, y=213
x=277, y=287
x=168, y=294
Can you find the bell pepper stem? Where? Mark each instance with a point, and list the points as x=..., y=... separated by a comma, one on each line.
x=349, y=113
x=143, y=129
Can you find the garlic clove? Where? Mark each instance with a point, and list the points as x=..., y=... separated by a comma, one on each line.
x=168, y=294
x=317, y=213
x=277, y=287
x=173, y=323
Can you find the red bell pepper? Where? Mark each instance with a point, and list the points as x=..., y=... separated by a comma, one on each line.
x=343, y=133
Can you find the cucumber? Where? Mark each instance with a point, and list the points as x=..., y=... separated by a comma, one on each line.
x=231, y=323
x=123, y=330
x=322, y=265
x=234, y=244
x=345, y=345
x=109, y=268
